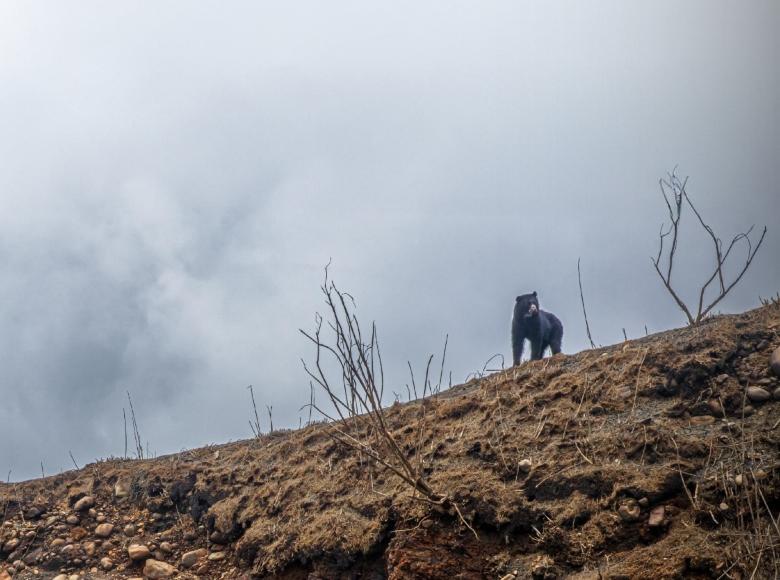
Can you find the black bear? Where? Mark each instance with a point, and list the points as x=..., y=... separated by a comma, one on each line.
x=541, y=328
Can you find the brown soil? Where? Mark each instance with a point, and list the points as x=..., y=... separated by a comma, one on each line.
x=652, y=431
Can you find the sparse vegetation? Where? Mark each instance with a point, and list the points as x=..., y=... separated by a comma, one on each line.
x=675, y=196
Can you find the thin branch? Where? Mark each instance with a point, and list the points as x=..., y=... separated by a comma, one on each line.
x=584, y=313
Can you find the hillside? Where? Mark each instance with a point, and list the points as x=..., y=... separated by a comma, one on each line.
x=645, y=459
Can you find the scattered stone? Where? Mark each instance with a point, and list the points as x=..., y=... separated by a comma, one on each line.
x=57, y=542
x=78, y=533
x=59, y=577
x=104, y=530
x=100, y=518
x=775, y=361
x=702, y=420
x=656, y=517
x=129, y=530
x=644, y=502
x=155, y=569
x=738, y=480
x=11, y=545
x=138, y=552
x=90, y=548
x=189, y=559
x=629, y=510
x=525, y=465
x=106, y=563
x=166, y=547
x=84, y=503
x=92, y=513
x=748, y=410
x=122, y=488
x=715, y=407
x=757, y=394
x=759, y=474
x=33, y=513
x=72, y=520
x=776, y=394
x=216, y=556
x=720, y=379
x=723, y=506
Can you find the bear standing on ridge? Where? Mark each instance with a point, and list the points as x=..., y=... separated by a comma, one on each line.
x=542, y=329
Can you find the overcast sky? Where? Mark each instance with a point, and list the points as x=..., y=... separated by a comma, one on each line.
x=174, y=176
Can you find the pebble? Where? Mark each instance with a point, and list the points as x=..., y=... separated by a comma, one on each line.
x=644, y=502
x=166, y=547
x=738, y=479
x=104, y=530
x=57, y=542
x=656, y=517
x=122, y=488
x=61, y=577
x=72, y=520
x=715, y=407
x=138, y=552
x=189, y=559
x=774, y=362
x=629, y=511
x=155, y=569
x=129, y=530
x=776, y=394
x=702, y=420
x=84, y=503
x=723, y=506
x=748, y=410
x=90, y=548
x=757, y=394
x=216, y=556
x=106, y=563
x=524, y=465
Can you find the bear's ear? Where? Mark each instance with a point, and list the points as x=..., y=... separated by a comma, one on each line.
x=519, y=298
x=534, y=293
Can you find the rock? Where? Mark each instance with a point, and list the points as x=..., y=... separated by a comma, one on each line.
x=720, y=379
x=57, y=542
x=524, y=465
x=72, y=520
x=122, y=488
x=656, y=517
x=748, y=410
x=59, y=577
x=6, y=576
x=106, y=563
x=92, y=513
x=129, y=530
x=757, y=394
x=89, y=548
x=774, y=362
x=723, y=506
x=629, y=510
x=156, y=569
x=104, y=530
x=84, y=503
x=11, y=545
x=78, y=533
x=738, y=479
x=776, y=394
x=644, y=502
x=715, y=408
x=33, y=513
x=166, y=547
x=216, y=556
x=100, y=518
x=189, y=559
x=702, y=420
x=138, y=552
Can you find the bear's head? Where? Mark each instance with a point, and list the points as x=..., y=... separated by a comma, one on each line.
x=527, y=305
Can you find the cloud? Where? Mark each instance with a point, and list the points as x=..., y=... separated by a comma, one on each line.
x=175, y=177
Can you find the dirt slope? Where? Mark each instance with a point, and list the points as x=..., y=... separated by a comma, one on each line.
x=641, y=460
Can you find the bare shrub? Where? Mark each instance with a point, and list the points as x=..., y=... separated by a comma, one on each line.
x=674, y=194
x=361, y=422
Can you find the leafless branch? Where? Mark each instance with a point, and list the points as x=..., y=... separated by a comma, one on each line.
x=584, y=313
x=361, y=422
x=674, y=193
